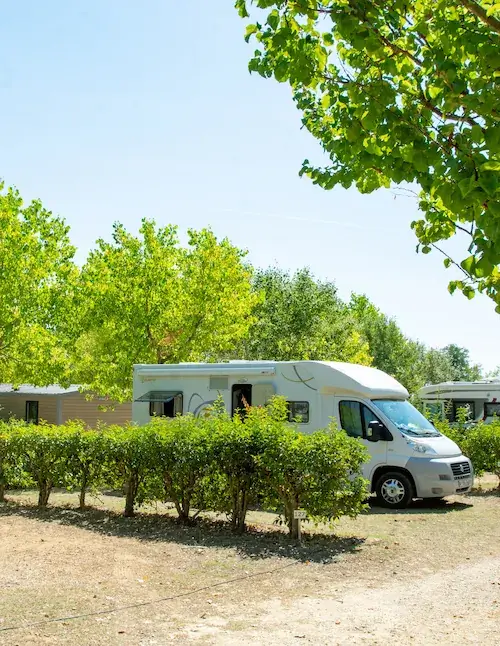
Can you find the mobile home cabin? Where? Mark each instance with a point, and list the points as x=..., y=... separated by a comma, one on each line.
x=57, y=405
x=409, y=457
x=480, y=398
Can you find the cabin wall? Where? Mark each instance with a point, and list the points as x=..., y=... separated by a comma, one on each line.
x=14, y=406
x=76, y=406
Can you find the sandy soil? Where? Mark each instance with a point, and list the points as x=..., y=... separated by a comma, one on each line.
x=428, y=575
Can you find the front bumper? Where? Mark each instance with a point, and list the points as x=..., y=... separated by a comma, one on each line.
x=438, y=477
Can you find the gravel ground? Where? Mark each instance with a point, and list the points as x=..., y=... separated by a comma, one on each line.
x=427, y=575
x=459, y=606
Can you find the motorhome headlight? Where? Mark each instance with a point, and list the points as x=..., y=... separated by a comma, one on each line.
x=420, y=447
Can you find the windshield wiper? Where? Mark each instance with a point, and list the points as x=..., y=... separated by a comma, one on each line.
x=419, y=433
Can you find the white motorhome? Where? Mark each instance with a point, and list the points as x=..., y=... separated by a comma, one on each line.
x=409, y=457
x=480, y=398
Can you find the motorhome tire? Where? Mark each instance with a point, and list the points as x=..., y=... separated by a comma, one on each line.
x=394, y=490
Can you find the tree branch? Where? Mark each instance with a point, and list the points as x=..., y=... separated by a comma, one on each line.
x=480, y=13
x=451, y=260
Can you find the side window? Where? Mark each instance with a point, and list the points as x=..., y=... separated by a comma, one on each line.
x=491, y=409
x=350, y=418
x=170, y=407
x=298, y=412
x=355, y=418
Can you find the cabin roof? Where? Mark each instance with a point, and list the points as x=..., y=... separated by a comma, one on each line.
x=38, y=391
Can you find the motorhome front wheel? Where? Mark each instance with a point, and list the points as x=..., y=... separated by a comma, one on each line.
x=394, y=490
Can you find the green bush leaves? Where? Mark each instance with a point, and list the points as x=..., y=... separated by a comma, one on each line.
x=218, y=463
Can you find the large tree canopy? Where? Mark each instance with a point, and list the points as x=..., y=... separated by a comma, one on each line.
x=147, y=299
x=299, y=317
x=400, y=91
x=36, y=267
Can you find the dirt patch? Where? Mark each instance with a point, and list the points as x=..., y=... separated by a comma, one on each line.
x=384, y=576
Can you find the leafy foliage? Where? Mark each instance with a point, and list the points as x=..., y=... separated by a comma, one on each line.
x=36, y=265
x=482, y=445
x=410, y=362
x=400, y=92
x=218, y=463
x=87, y=461
x=391, y=350
x=480, y=442
x=148, y=300
x=301, y=317
x=314, y=472
x=185, y=458
x=42, y=452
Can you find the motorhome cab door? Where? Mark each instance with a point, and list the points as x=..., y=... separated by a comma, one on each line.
x=354, y=416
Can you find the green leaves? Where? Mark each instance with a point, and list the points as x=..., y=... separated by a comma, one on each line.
x=36, y=260
x=493, y=165
x=250, y=30
x=299, y=317
x=395, y=97
x=215, y=463
x=146, y=299
x=480, y=442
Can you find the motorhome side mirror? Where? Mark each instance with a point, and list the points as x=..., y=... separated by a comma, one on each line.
x=376, y=431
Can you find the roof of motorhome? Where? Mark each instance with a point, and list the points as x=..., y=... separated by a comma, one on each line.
x=342, y=377
x=446, y=387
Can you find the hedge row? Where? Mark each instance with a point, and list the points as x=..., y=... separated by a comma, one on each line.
x=217, y=463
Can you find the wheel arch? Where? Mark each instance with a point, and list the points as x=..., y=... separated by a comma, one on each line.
x=382, y=470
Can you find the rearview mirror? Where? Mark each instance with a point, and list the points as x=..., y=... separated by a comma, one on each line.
x=377, y=431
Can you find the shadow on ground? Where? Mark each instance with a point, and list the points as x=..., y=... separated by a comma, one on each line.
x=429, y=506
x=485, y=493
x=257, y=542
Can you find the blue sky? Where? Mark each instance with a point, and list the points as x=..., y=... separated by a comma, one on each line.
x=114, y=110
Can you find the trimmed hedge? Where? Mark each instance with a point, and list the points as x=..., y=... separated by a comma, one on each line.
x=216, y=463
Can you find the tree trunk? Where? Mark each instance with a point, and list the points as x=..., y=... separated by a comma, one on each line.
x=242, y=512
x=186, y=508
x=239, y=512
x=293, y=523
x=44, y=489
x=83, y=491
x=2, y=492
x=131, y=487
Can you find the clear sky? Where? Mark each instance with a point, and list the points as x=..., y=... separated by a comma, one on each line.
x=118, y=109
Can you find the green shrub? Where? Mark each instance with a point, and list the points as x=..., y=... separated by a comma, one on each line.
x=216, y=463
x=236, y=477
x=319, y=473
x=5, y=461
x=41, y=452
x=184, y=459
x=87, y=459
x=132, y=454
x=483, y=448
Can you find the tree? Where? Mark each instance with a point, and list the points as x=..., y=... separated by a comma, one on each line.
x=36, y=269
x=391, y=350
x=146, y=299
x=300, y=317
x=398, y=92
x=463, y=370
x=436, y=367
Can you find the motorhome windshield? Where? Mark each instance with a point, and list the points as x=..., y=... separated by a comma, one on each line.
x=406, y=417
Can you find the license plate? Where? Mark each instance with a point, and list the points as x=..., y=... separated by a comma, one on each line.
x=463, y=483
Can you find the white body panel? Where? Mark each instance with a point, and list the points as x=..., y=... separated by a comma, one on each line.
x=462, y=393
x=323, y=385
